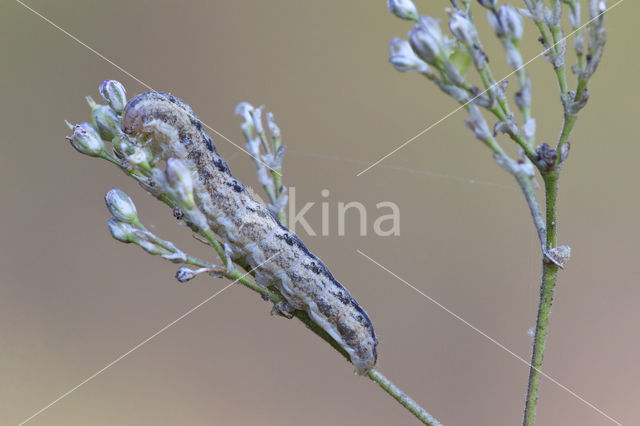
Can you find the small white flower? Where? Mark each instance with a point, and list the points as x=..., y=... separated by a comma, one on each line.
x=121, y=231
x=462, y=28
x=121, y=206
x=404, y=9
x=86, y=140
x=114, y=94
x=403, y=58
x=180, y=182
x=427, y=40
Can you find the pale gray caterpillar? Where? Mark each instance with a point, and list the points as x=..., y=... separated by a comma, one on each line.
x=249, y=228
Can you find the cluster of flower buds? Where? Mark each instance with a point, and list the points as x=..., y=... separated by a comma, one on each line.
x=125, y=226
x=132, y=153
x=404, y=59
x=506, y=23
x=596, y=39
x=446, y=60
x=428, y=42
x=88, y=138
x=430, y=52
x=267, y=153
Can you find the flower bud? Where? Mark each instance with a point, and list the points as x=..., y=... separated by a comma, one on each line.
x=403, y=58
x=273, y=127
x=121, y=207
x=185, y=274
x=122, y=232
x=256, y=115
x=403, y=9
x=105, y=120
x=574, y=15
x=462, y=28
x=86, y=140
x=180, y=182
x=478, y=124
x=244, y=109
x=506, y=22
x=427, y=41
x=114, y=94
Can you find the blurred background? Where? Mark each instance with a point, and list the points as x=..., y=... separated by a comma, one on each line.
x=72, y=299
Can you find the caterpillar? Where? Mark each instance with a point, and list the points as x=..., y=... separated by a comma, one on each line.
x=248, y=227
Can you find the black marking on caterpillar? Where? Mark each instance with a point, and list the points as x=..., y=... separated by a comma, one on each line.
x=249, y=229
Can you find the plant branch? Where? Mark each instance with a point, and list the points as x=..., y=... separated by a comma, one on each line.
x=567, y=125
x=549, y=275
x=526, y=185
x=402, y=398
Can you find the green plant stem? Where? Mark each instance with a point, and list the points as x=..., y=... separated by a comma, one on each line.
x=521, y=74
x=277, y=183
x=567, y=126
x=553, y=46
x=549, y=275
x=489, y=82
x=526, y=185
x=403, y=399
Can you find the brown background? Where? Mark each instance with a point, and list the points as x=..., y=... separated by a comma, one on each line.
x=72, y=299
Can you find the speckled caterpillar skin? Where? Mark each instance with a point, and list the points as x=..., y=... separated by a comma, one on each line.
x=249, y=228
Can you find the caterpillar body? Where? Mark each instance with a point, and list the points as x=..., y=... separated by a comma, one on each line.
x=249, y=229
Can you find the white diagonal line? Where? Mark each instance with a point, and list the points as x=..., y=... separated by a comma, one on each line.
x=76, y=39
x=486, y=90
x=500, y=345
x=94, y=375
x=163, y=329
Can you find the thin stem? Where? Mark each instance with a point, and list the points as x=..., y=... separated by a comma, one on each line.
x=516, y=137
x=560, y=70
x=489, y=82
x=543, y=34
x=521, y=74
x=402, y=398
x=211, y=237
x=536, y=214
x=549, y=275
x=567, y=126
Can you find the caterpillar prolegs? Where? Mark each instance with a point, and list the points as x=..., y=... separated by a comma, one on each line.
x=248, y=227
